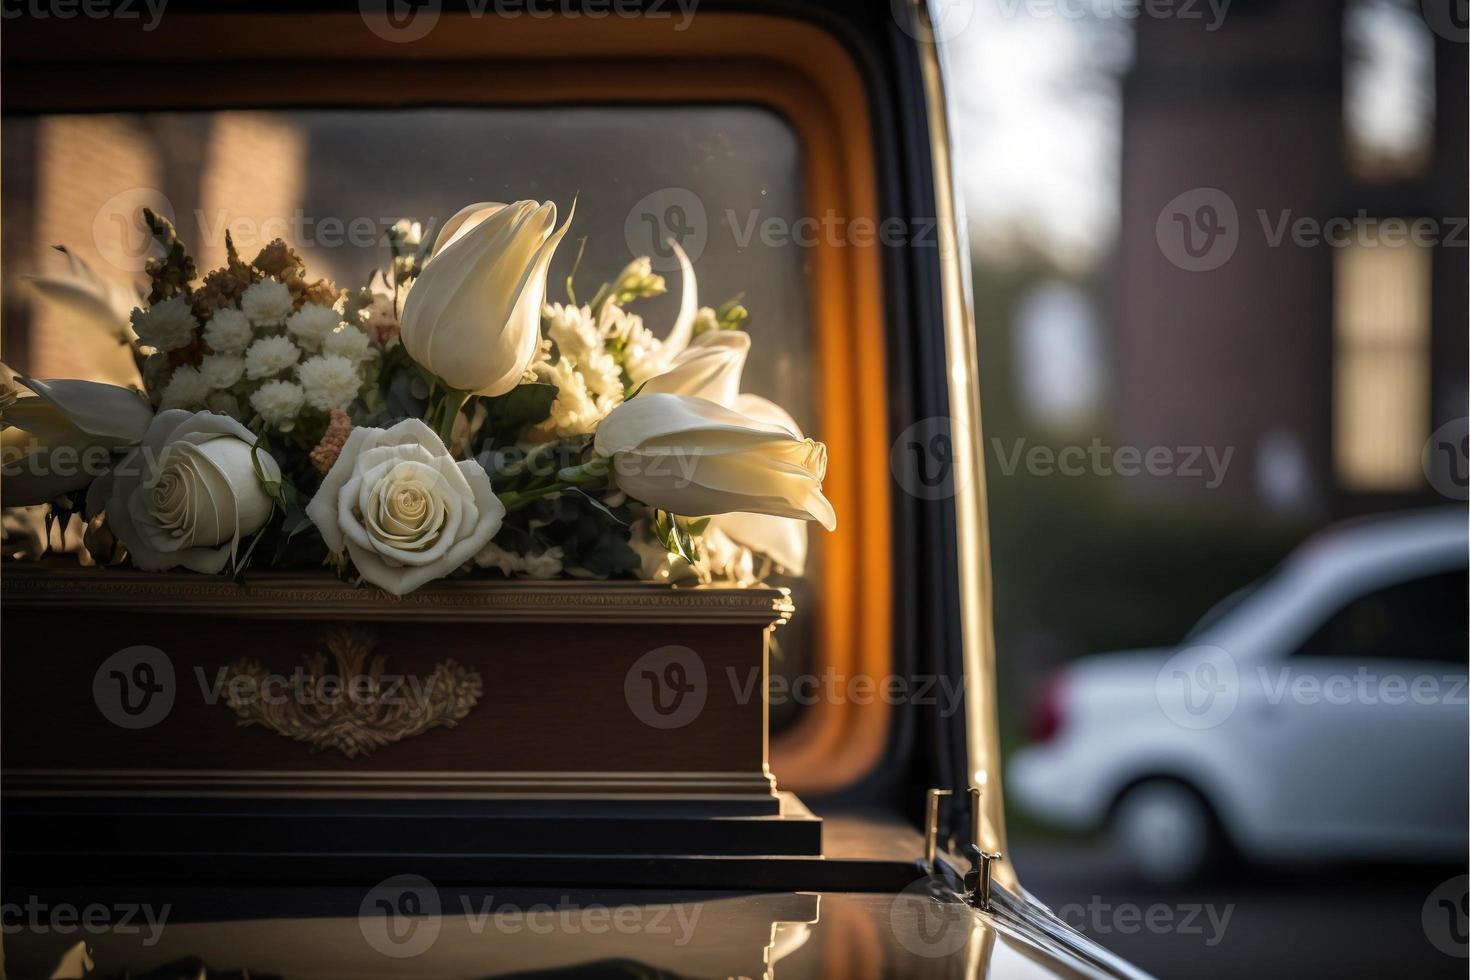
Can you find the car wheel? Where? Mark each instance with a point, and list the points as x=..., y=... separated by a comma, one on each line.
x=1166, y=831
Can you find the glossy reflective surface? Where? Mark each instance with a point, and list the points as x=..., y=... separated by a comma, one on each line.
x=406, y=927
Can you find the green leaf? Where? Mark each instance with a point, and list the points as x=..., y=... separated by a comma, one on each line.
x=599, y=505
x=509, y=414
x=675, y=537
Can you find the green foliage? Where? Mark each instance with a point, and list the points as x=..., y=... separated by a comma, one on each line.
x=509, y=415
x=678, y=537
x=593, y=536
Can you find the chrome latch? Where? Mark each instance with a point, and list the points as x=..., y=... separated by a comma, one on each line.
x=977, y=881
x=931, y=828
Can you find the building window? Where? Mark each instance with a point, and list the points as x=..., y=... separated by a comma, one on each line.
x=1381, y=371
x=1388, y=90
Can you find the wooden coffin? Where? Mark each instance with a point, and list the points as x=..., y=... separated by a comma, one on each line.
x=132, y=698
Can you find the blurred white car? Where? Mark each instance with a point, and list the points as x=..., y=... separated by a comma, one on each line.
x=1318, y=714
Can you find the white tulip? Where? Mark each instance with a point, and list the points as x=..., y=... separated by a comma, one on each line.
x=692, y=457
x=71, y=429
x=473, y=316
x=399, y=505
x=710, y=367
x=780, y=539
x=189, y=492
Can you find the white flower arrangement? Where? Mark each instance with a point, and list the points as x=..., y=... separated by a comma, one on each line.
x=443, y=419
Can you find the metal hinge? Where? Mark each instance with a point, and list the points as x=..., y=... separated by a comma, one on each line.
x=977, y=880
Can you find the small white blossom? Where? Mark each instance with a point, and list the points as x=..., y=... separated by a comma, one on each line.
x=573, y=329
x=225, y=403
x=168, y=325
x=330, y=381
x=406, y=232
x=278, y=402
x=311, y=324
x=228, y=331
x=267, y=303
x=547, y=564
x=643, y=353
x=350, y=342
x=269, y=356
x=186, y=388
x=222, y=370
x=576, y=411
x=578, y=339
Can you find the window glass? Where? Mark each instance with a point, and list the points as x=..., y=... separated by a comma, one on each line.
x=1422, y=619
x=331, y=182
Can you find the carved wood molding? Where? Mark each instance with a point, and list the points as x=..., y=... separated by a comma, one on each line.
x=352, y=704
x=318, y=596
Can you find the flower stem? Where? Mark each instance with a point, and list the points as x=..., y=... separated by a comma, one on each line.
x=513, y=499
x=453, y=401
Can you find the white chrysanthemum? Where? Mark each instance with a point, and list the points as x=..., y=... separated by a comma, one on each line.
x=311, y=324
x=270, y=356
x=228, y=331
x=548, y=564
x=349, y=342
x=168, y=325
x=267, y=303
x=643, y=354
x=225, y=403
x=278, y=402
x=330, y=381
x=576, y=411
x=186, y=388
x=578, y=338
x=572, y=328
x=222, y=370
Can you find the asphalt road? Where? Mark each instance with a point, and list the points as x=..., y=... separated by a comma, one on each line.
x=1339, y=923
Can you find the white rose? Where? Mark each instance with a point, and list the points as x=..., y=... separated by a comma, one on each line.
x=402, y=508
x=692, y=457
x=189, y=492
x=473, y=316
